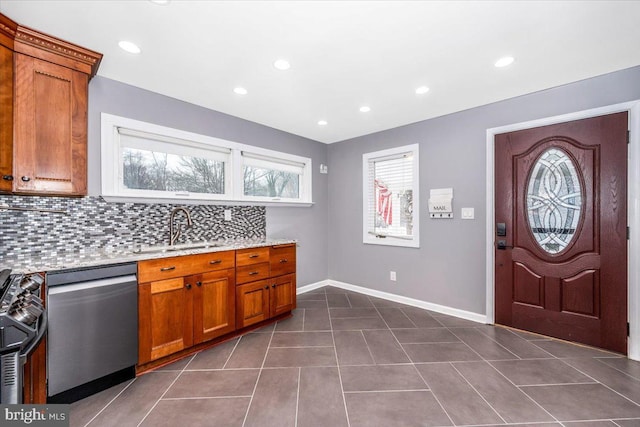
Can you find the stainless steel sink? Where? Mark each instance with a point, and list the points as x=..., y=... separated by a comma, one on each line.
x=175, y=248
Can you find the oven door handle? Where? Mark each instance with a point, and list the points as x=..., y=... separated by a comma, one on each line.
x=42, y=329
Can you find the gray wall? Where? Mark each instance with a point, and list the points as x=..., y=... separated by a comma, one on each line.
x=449, y=267
x=306, y=224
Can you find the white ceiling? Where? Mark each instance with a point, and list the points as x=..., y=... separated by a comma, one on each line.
x=344, y=54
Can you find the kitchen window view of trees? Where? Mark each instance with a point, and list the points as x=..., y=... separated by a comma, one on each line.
x=147, y=161
x=149, y=170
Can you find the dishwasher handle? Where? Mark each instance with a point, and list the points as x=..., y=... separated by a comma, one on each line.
x=92, y=284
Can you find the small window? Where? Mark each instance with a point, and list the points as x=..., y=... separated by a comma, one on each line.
x=390, y=200
x=268, y=177
x=159, y=164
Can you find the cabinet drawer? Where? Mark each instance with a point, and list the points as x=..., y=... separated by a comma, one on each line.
x=250, y=273
x=252, y=256
x=215, y=261
x=167, y=268
x=283, y=259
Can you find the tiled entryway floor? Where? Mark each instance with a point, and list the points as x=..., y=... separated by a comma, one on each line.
x=346, y=359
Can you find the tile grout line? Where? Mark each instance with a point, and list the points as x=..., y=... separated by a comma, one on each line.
x=416, y=369
x=298, y=397
x=255, y=387
x=231, y=354
x=520, y=390
x=601, y=383
x=165, y=392
x=599, y=359
x=478, y=393
x=335, y=352
x=110, y=402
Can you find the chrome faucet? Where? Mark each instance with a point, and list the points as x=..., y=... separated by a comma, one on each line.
x=174, y=236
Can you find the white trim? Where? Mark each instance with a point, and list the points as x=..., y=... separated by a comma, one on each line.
x=443, y=309
x=312, y=287
x=633, y=209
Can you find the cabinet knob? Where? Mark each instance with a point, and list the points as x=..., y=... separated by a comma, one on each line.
x=25, y=179
x=273, y=286
x=188, y=286
x=266, y=287
x=283, y=260
x=199, y=284
x=7, y=177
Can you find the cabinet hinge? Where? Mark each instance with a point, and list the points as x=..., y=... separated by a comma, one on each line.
x=628, y=233
x=628, y=137
x=628, y=329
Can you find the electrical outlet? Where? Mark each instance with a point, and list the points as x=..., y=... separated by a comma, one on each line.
x=227, y=214
x=392, y=276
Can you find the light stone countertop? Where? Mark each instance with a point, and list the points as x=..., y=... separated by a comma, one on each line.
x=112, y=255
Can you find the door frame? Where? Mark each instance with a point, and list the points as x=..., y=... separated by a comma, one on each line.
x=633, y=209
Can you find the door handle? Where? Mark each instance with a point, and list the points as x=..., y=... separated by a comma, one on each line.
x=502, y=245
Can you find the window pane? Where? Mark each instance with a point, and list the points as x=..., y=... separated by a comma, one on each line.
x=554, y=200
x=391, y=209
x=270, y=183
x=149, y=170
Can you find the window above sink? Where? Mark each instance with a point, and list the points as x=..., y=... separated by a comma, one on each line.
x=150, y=162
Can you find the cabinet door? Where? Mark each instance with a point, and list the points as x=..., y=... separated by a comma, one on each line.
x=50, y=128
x=214, y=302
x=253, y=303
x=166, y=318
x=6, y=119
x=283, y=294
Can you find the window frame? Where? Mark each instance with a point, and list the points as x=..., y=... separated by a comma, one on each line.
x=112, y=184
x=391, y=240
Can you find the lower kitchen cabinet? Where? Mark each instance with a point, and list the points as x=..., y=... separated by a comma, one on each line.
x=264, y=299
x=180, y=312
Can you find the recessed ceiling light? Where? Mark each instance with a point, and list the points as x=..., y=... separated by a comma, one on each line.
x=365, y=109
x=240, y=91
x=503, y=62
x=129, y=47
x=160, y=2
x=422, y=90
x=282, y=64
x=322, y=122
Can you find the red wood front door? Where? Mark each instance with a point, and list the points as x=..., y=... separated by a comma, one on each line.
x=561, y=224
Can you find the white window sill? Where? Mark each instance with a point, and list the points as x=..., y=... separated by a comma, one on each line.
x=193, y=201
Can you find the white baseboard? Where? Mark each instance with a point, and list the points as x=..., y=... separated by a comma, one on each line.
x=312, y=287
x=463, y=314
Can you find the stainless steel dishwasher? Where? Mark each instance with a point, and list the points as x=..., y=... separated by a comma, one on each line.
x=92, y=340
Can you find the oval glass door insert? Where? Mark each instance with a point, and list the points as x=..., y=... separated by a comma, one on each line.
x=554, y=200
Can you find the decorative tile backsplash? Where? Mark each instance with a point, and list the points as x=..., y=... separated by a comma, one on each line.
x=91, y=225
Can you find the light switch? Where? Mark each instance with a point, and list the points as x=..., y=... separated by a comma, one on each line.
x=227, y=214
x=467, y=213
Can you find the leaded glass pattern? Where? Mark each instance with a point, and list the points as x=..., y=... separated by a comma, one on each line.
x=554, y=200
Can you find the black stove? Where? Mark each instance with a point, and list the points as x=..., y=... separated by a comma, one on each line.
x=23, y=323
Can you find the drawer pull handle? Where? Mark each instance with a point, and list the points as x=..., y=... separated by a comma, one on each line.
x=215, y=261
x=25, y=179
x=173, y=267
x=283, y=260
x=254, y=256
x=253, y=273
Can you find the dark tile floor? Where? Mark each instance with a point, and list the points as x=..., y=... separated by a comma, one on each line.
x=346, y=359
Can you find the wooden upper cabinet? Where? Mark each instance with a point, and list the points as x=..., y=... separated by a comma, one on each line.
x=43, y=104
